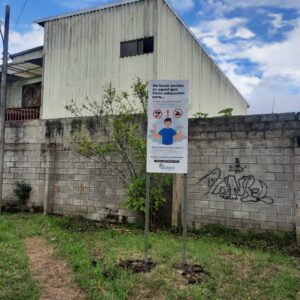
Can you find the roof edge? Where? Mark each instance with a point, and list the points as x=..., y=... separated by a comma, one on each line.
x=26, y=51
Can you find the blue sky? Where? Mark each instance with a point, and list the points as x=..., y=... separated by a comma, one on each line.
x=255, y=42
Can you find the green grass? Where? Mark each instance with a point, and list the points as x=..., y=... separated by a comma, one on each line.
x=15, y=279
x=241, y=266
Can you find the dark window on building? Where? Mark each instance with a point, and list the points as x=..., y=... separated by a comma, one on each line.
x=137, y=47
x=148, y=45
x=128, y=48
x=32, y=95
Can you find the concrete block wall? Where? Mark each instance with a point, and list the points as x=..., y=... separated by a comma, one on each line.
x=244, y=172
x=40, y=153
x=297, y=186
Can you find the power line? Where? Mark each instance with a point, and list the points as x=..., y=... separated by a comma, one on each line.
x=21, y=13
x=1, y=33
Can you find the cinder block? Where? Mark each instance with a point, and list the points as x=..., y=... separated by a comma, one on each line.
x=276, y=126
x=269, y=226
x=218, y=220
x=282, y=160
x=276, y=218
x=239, y=134
x=265, y=159
x=223, y=135
x=225, y=213
x=273, y=133
x=241, y=214
x=258, y=216
x=284, y=193
x=287, y=117
x=217, y=205
x=269, y=118
x=216, y=159
x=201, y=219
x=209, y=212
x=250, y=207
x=250, y=224
x=286, y=227
x=284, y=177
x=275, y=168
x=234, y=223
x=256, y=134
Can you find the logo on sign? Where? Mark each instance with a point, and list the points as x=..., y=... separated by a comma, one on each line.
x=163, y=167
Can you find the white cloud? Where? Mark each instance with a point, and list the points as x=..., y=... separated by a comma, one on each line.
x=182, y=5
x=22, y=41
x=220, y=7
x=233, y=45
x=219, y=27
x=212, y=35
x=277, y=59
x=244, y=83
x=275, y=94
x=277, y=20
x=244, y=33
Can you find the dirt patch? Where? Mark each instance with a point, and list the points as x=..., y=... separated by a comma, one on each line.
x=79, y=224
x=242, y=267
x=53, y=276
x=138, y=266
x=229, y=257
x=193, y=273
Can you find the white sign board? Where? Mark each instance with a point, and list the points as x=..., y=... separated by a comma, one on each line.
x=167, y=135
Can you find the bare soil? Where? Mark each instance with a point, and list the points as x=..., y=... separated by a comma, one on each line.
x=193, y=273
x=138, y=266
x=53, y=276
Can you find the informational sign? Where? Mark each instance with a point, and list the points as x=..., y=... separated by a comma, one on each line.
x=167, y=136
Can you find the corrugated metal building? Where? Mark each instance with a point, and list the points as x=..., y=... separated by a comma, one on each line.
x=86, y=49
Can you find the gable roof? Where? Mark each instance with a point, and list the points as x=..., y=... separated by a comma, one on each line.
x=42, y=22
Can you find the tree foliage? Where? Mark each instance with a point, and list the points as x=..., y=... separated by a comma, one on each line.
x=226, y=112
x=122, y=120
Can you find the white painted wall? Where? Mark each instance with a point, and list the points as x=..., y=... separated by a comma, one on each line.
x=82, y=54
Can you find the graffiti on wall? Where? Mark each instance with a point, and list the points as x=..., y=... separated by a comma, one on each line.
x=234, y=187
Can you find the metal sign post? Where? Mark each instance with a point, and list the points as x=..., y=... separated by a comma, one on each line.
x=184, y=221
x=147, y=214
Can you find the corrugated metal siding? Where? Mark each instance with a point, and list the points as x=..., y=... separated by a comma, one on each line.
x=82, y=54
x=180, y=57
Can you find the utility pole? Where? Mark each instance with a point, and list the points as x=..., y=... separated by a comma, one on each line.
x=3, y=97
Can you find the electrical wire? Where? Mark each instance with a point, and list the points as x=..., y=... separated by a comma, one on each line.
x=1, y=33
x=21, y=13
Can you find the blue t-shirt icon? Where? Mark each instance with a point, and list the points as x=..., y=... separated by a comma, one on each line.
x=167, y=136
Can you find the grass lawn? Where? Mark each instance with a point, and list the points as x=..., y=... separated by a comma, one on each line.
x=240, y=266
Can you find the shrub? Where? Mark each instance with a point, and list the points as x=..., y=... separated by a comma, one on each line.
x=122, y=119
x=22, y=191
